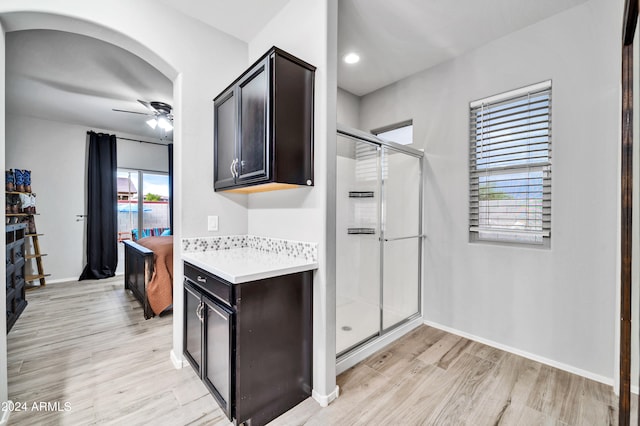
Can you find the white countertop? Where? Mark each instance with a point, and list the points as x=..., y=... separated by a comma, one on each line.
x=240, y=265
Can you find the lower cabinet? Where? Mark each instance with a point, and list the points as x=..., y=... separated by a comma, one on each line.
x=208, y=332
x=250, y=343
x=15, y=290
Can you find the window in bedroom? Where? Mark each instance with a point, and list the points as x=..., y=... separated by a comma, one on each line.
x=510, y=167
x=401, y=133
x=142, y=196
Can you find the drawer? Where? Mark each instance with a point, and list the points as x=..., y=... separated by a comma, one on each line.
x=209, y=283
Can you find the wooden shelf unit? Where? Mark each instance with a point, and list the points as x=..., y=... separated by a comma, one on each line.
x=36, y=255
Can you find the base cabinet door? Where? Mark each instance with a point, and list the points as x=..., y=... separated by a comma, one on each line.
x=217, y=367
x=250, y=343
x=192, y=327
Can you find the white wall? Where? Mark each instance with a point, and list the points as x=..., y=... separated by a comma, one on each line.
x=303, y=29
x=56, y=153
x=557, y=304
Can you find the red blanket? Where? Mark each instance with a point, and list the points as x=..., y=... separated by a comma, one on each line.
x=160, y=288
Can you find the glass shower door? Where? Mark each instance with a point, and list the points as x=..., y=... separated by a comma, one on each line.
x=357, y=243
x=400, y=237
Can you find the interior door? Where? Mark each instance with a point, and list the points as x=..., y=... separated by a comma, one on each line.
x=253, y=95
x=401, y=236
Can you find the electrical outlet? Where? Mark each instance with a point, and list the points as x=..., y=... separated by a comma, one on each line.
x=212, y=223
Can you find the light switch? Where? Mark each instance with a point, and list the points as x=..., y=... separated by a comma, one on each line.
x=212, y=223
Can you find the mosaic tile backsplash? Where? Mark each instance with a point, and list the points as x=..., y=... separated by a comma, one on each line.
x=287, y=247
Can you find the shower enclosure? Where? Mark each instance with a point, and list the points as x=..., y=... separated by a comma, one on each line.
x=379, y=237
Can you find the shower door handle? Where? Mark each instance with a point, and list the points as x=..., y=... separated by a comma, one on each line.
x=403, y=238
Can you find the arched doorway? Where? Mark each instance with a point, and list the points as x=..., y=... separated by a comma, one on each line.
x=128, y=40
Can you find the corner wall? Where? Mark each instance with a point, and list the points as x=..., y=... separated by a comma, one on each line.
x=304, y=29
x=348, y=109
x=558, y=305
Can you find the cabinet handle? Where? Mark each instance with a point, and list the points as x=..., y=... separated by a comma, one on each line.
x=201, y=280
x=199, y=311
x=233, y=174
x=235, y=167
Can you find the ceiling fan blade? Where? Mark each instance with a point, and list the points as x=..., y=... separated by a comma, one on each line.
x=131, y=112
x=146, y=104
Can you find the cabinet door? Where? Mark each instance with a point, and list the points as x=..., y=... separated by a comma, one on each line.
x=225, y=131
x=192, y=327
x=217, y=366
x=253, y=153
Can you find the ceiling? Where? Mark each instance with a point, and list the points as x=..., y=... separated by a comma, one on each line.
x=398, y=38
x=242, y=19
x=76, y=79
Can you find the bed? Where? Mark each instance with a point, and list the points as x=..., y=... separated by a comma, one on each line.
x=148, y=273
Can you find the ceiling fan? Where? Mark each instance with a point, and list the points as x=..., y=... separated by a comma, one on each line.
x=160, y=113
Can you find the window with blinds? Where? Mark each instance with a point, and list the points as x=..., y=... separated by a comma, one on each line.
x=510, y=166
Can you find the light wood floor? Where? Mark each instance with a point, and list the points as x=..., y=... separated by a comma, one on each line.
x=88, y=345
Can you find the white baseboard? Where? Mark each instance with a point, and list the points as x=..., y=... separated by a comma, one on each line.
x=525, y=354
x=325, y=400
x=4, y=420
x=352, y=358
x=177, y=361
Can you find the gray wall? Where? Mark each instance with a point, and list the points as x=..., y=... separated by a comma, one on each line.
x=348, y=109
x=558, y=305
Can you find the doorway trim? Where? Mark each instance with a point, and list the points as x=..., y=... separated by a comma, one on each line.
x=626, y=202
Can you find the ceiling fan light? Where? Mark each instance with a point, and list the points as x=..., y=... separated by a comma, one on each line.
x=164, y=123
x=152, y=123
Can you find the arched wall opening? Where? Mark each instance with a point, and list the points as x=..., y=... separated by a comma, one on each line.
x=17, y=21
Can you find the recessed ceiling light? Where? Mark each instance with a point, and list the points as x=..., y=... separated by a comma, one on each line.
x=351, y=58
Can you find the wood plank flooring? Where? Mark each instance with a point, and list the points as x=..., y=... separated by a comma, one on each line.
x=430, y=377
x=88, y=345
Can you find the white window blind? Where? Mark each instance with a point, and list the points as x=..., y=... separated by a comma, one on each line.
x=510, y=166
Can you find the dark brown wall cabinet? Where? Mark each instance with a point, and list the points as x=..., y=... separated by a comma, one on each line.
x=16, y=301
x=263, y=127
x=250, y=343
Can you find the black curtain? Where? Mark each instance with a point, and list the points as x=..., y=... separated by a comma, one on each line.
x=102, y=201
x=170, y=146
